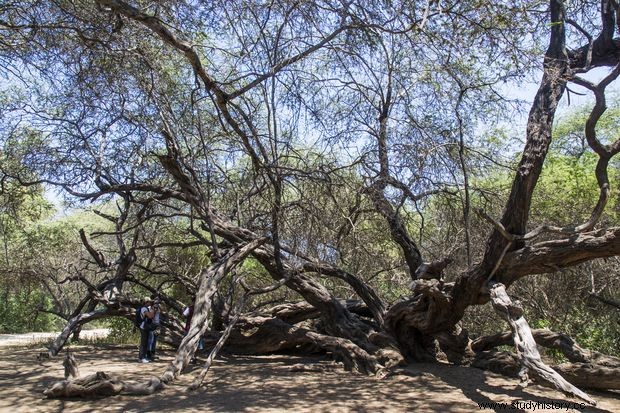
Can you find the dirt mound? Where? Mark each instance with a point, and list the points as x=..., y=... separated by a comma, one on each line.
x=275, y=383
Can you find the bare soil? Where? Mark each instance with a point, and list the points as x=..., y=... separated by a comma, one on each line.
x=253, y=384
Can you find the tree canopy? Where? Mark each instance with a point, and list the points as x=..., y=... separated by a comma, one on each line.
x=323, y=173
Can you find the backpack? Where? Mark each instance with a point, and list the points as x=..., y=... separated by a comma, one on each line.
x=138, y=318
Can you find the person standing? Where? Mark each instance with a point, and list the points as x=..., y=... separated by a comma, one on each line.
x=188, y=313
x=146, y=318
x=154, y=329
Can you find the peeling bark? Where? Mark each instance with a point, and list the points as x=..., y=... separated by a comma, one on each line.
x=525, y=346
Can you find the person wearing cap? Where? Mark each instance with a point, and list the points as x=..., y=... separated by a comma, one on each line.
x=146, y=313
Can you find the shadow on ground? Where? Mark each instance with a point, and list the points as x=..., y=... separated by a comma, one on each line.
x=252, y=384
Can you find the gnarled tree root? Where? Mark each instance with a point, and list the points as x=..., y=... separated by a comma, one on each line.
x=100, y=384
x=263, y=335
x=584, y=375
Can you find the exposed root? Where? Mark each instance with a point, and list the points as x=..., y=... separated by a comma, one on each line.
x=100, y=384
x=312, y=368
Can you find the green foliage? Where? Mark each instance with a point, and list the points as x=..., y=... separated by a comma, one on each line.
x=540, y=323
x=122, y=331
x=599, y=332
x=21, y=207
x=21, y=296
x=19, y=311
x=569, y=137
x=591, y=328
x=567, y=191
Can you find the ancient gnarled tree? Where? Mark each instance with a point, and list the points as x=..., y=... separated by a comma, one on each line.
x=298, y=148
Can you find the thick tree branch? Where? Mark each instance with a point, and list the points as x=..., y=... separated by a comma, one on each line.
x=550, y=256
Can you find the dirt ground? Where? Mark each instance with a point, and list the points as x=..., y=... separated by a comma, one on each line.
x=259, y=384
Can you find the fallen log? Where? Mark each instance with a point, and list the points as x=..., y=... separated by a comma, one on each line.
x=590, y=376
x=100, y=384
x=584, y=375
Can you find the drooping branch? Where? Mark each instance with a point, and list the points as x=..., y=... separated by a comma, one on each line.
x=338, y=319
x=82, y=319
x=525, y=346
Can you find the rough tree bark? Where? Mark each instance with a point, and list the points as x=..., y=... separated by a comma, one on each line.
x=526, y=349
x=209, y=281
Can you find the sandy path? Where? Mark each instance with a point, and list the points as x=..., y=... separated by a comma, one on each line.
x=259, y=384
x=26, y=339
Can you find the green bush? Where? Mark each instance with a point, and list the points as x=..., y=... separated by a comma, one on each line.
x=19, y=311
x=600, y=332
x=122, y=331
x=590, y=328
